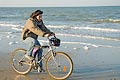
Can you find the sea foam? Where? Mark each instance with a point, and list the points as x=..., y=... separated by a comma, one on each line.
x=86, y=28
x=11, y=43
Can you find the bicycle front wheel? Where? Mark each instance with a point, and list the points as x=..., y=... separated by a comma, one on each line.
x=20, y=63
x=59, y=66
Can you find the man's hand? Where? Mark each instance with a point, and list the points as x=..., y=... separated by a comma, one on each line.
x=47, y=35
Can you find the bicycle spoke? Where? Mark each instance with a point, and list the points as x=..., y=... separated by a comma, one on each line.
x=21, y=64
x=60, y=66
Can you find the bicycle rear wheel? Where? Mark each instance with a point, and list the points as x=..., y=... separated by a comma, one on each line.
x=60, y=66
x=20, y=63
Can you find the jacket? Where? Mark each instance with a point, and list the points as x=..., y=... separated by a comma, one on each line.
x=32, y=29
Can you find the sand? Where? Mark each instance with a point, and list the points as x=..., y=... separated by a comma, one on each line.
x=90, y=63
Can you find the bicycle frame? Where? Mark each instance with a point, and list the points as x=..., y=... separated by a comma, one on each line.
x=51, y=52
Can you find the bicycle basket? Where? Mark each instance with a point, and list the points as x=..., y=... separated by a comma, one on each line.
x=55, y=41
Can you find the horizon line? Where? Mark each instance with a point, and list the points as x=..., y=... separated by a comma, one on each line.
x=67, y=6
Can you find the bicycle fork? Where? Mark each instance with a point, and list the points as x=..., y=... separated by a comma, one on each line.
x=53, y=57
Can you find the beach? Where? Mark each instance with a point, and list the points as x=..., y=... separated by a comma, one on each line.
x=91, y=38
x=90, y=63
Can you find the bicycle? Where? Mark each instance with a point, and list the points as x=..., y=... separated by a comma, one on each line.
x=59, y=65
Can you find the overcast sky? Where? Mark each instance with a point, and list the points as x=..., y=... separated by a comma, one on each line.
x=58, y=3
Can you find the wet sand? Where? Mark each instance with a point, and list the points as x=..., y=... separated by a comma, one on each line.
x=90, y=63
x=7, y=73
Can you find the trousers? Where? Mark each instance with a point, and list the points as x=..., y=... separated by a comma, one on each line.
x=31, y=43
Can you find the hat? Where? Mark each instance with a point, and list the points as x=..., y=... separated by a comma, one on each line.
x=37, y=12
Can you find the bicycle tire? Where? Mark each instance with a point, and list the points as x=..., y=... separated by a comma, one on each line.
x=65, y=66
x=14, y=60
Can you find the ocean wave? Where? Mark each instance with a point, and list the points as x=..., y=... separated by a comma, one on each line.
x=90, y=37
x=8, y=24
x=109, y=20
x=86, y=28
x=13, y=26
x=18, y=27
x=83, y=43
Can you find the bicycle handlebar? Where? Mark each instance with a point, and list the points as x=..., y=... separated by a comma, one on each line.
x=53, y=34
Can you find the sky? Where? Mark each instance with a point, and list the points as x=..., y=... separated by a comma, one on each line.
x=57, y=3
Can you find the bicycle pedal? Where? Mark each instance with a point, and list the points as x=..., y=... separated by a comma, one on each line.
x=35, y=68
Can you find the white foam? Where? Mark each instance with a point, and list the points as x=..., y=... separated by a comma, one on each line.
x=90, y=37
x=82, y=43
x=86, y=48
x=44, y=41
x=17, y=28
x=14, y=26
x=11, y=36
x=11, y=43
x=87, y=28
x=8, y=24
x=74, y=48
x=90, y=44
x=109, y=20
x=9, y=32
x=51, y=26
x=97, y=29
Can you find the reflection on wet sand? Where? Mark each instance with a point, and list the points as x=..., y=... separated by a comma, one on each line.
x=33, y=76
x=22, y=77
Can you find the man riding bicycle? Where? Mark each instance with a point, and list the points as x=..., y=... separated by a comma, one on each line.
x=33, y=28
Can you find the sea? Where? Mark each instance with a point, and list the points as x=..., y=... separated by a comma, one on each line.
x=102, y=23
x=94, y=30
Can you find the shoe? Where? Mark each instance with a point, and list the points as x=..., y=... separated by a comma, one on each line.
x=35, y=65
x=29, y=57
x=40, y=69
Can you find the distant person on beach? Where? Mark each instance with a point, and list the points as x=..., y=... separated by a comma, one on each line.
x=33, y=28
